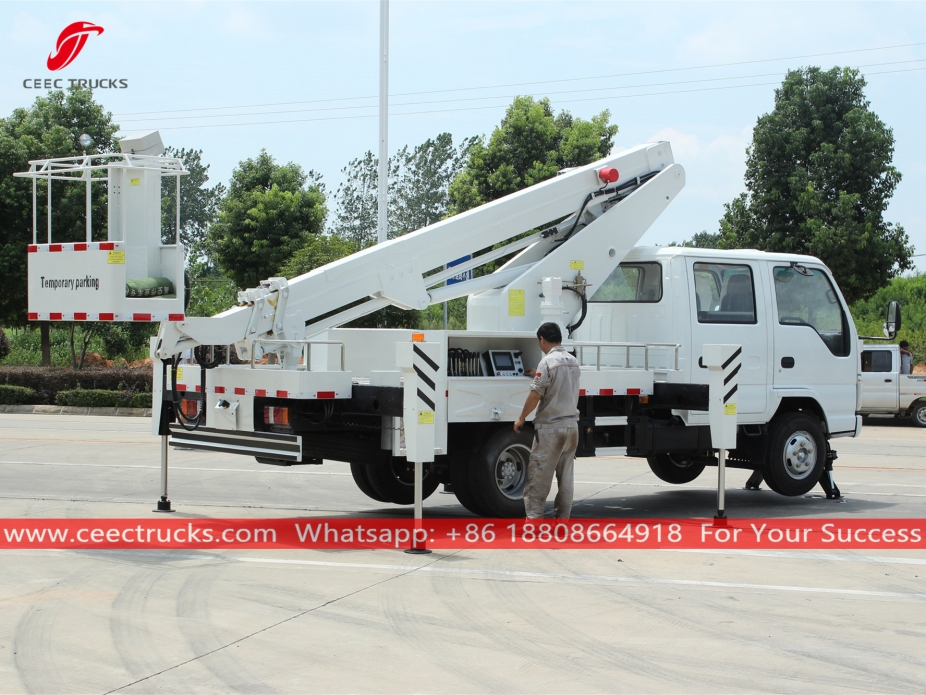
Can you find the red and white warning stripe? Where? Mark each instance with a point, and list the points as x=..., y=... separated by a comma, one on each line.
x=608, y=392
x=275, y=393
x=79, y=246
x=86, y=316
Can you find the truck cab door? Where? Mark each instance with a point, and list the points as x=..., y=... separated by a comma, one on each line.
x=879, y=380
x=728, y=301
x=814, y=341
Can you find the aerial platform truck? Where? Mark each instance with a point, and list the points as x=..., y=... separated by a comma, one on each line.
x=303, y=389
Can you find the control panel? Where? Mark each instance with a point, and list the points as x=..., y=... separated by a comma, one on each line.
x=503, y=363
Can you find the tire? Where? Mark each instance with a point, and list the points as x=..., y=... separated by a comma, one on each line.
x=460, y=468
x=797, y=454
x=362, y=478
x=675, y=468
x=394, y=481
x=499, y=473
x=919, y=414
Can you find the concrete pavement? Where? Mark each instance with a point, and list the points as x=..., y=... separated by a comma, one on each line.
x=469, y=621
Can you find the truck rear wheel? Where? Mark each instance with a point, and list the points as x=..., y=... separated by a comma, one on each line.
x=499, y=472
x=394, y=481
x=919, y=414
x=675, y=468
x=797, y=454
x=361, y=476
x=460, y=468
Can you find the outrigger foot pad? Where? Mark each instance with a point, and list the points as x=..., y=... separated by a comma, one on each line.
x=163, y=505
x=754, y=482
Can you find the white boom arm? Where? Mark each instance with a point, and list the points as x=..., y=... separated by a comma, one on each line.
x=406, y=271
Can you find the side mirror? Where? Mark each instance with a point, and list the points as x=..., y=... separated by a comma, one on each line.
x=892, y=326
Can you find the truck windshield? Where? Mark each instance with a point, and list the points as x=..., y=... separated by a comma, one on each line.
x=807, y=298
x=632, y=282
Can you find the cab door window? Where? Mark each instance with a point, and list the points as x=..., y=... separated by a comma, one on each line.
x=724, y=293
x=806, y=297
x=876, y=361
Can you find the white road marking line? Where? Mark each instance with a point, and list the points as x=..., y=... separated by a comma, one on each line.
x=588, y=578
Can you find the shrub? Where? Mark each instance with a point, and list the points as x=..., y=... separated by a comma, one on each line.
x=16, y=395
x=93, y=398
x=49, y=381
x=4, y=345
x=140, y=400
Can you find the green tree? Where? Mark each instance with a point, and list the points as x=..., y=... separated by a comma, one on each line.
x=199, y=204
x=420, y=192
x=818, y=179
x=702, y=240
x=869, y=314
x=529, y=146
x=356, y=213
x=271, y=210
x=49, y=128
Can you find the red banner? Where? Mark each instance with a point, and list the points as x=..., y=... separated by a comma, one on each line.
x=452, y=534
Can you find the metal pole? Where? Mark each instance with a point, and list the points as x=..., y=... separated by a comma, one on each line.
x=35, y=213
x=382, y=223
x=419, y=475
x=89, y=209
x=445, y=307
x=164, y=502
x=721, y=483
x=177, y=235
x=49, y=209
x=419, y=511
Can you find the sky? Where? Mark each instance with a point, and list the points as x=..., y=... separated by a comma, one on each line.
x=303, y=77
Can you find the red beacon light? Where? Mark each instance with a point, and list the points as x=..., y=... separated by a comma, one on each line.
x=608, y=174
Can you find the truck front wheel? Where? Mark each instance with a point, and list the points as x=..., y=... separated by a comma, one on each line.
x=675, y=468
x=797, y=454
x=919, y=414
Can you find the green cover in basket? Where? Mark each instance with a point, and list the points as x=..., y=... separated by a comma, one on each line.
x=148, y=287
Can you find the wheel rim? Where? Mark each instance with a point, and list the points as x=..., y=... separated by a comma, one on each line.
x=680, y=461
x=511, y=471
x=800, y=455
x=920, y=415
x=404, y=471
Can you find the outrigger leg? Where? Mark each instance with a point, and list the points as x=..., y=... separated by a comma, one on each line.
x=826, y=480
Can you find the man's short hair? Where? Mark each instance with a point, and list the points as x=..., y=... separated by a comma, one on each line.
x=903, y=343
x=550, y=332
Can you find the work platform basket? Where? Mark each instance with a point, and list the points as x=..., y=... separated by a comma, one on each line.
x=132, y=275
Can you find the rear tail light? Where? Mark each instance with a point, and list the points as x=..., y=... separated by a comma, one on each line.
x=276, y=416
x=189, y=407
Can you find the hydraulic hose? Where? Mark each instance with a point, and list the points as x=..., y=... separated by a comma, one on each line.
x=200, y=354
x=571, y=328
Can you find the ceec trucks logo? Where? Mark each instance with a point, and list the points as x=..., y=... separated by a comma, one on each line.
x=70, y=43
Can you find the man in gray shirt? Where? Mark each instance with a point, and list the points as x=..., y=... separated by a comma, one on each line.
x=555, y=394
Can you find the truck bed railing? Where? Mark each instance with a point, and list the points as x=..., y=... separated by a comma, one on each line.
x=581, y=347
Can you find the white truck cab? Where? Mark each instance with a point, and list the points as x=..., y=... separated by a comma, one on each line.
x=785, y=310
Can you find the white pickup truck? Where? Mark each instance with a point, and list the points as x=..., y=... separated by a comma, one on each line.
x=885, y=391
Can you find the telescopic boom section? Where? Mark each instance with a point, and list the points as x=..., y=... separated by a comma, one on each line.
x=588, y=218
